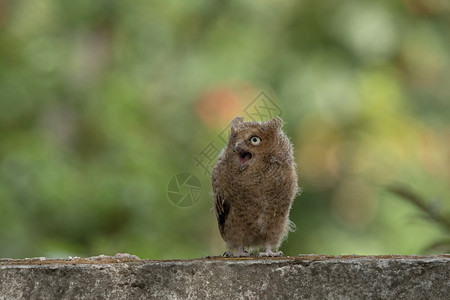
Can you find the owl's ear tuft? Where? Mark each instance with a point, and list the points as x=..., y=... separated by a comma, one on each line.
x=276, y=123
x=236, y=121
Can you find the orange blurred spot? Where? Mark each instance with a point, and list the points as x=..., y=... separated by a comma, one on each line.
x=217, y=107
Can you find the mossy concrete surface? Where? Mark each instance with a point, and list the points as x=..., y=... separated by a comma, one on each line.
x=301, y=277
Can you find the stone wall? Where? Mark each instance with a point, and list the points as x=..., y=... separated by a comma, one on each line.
x=300, y=277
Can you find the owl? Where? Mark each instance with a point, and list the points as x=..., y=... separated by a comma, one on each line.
x=254, y=184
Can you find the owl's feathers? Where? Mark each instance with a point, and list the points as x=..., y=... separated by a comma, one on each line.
x=254, y=184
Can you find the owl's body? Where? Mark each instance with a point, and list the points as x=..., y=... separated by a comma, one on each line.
x=254, y=184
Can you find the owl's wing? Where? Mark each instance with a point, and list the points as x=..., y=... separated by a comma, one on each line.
x=222, y=209
x=221, y=204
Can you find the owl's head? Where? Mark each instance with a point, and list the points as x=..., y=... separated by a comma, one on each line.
x=254, y=142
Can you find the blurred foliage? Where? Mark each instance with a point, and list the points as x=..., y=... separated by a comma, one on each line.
x=103, y=102
x=430, y=211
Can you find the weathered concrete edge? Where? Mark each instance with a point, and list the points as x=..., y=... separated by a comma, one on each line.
x=126, y=258
x=304, y=276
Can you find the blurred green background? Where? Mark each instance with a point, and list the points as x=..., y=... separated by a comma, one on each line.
x=103, y=102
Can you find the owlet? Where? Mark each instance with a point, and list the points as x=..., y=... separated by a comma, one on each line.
x=254, y=184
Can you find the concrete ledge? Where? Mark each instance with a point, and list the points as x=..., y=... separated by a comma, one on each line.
x=304, y=276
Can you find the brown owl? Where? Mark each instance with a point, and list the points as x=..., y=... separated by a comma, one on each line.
x=254, y=184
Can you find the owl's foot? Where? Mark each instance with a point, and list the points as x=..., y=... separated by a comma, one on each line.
x=241, y=253
x=268, y=253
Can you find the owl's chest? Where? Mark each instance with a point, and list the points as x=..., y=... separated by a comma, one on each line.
x=250, y=185
x=246, y=180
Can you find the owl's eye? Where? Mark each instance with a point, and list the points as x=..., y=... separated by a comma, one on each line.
x=255, y=140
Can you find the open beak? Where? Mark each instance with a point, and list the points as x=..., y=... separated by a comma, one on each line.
x=244, y=155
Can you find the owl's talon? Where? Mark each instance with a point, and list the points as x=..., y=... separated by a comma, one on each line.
x=269, y=253
x=228, y=254
x=241, y=253
x=279, y=254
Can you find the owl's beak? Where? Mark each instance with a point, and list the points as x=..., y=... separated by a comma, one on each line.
x=243, y=154
x=244, y=157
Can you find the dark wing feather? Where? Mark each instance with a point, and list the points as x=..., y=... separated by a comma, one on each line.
x=221, y=205
x=222, y=210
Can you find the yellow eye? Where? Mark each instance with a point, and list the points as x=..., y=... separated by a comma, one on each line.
x=255, y=140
